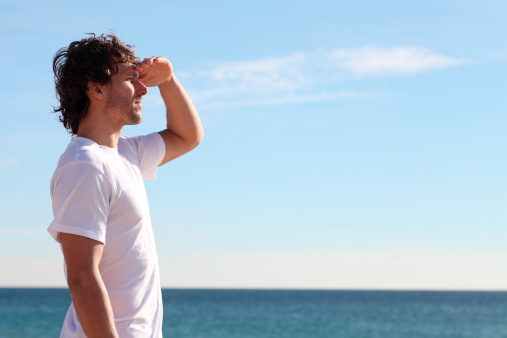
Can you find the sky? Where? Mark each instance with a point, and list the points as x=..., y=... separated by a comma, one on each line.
x=348, y=145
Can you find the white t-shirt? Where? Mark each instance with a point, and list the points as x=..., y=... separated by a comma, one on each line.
x=98, y=192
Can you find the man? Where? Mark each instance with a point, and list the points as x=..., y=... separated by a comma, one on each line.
x=101, y=216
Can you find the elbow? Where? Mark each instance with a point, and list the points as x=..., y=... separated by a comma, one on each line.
x=196, y=140
x=80, y=280
x=75, y=284
x=200, y=136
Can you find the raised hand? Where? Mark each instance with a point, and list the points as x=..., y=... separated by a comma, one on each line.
x=154, y=71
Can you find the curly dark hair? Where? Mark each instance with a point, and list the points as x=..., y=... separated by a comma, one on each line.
x=92, y=59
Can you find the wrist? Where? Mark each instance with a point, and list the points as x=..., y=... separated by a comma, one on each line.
x=167, y=82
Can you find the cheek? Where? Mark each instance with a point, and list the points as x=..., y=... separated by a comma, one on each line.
x=128, y=90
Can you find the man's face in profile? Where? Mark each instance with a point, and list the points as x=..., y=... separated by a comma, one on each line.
x=124, y=95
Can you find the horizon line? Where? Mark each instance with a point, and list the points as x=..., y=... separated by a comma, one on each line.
x=287, y=289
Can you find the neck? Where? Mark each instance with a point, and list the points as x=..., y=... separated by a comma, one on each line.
x=99, y=130
x=107, y=140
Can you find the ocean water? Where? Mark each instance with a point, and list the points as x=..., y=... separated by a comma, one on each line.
x=284, y=313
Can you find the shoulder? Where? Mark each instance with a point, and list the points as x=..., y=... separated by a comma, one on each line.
x=83, y=158
x=81, y=152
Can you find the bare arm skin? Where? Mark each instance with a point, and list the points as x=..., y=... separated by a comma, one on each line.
x=184, y=129
x=89, y=295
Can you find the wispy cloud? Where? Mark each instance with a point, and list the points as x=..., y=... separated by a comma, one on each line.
x=304, y=77
x=400, y=60
x=290, y=98
x=9, y=162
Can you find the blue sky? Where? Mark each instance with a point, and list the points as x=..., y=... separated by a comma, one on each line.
x=348, y=145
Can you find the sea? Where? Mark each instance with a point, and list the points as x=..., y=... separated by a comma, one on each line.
x=208, y=313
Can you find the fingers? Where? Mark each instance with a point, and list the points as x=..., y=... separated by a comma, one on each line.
x=143, y=64
x=148, y=62
x=154, y=70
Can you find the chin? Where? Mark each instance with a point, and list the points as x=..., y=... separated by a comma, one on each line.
x=137, y=121
x=134, y=119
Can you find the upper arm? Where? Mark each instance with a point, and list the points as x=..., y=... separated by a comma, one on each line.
x=175, y=145
x=82, y=256
x=81, y=198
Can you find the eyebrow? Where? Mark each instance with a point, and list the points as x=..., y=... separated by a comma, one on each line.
x=133, y=73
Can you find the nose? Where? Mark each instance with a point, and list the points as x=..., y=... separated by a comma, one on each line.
x=141, y=89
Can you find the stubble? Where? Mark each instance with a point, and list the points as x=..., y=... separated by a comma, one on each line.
x=121, y=110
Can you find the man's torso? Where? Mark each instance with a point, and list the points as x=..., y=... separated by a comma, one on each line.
x=109, y=186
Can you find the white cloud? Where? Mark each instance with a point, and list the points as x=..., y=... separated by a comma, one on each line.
x=304, y=77
x=401, y=60
x=261, y=75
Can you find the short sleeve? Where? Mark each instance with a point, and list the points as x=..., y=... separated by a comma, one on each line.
x=150, y=151
x=81, y=197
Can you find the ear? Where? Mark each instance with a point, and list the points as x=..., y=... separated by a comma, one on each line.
x=95, y=91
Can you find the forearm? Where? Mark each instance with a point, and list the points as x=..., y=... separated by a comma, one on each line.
x=93, y=307
x=182, y=117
